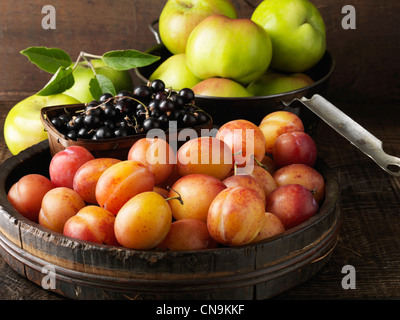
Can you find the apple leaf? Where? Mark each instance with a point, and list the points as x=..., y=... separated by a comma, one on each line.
x=100, y=84
x=47, y=59
x=62, y=80
x=128, y=59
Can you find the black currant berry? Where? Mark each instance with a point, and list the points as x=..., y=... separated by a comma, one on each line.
x=167, y=105
x=164, y=120
x=143, y=92
x=178, y=100
x=160, y=95
x=85, y=133
x=92, y=121
x=150, y=123
x=120, y=132
x=105, y=96
x=72, y=134
x=110, y=112
x=187, y=94
x=104, y=133
x=201, y=117
x=157, y=85
x=189, y=119
x=58, y=124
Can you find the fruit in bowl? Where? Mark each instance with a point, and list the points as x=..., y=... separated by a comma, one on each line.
x=220, y=87
x=238, y=49
x=297, y=32
x=175, y=73
x=178, y=18
x=275, y=83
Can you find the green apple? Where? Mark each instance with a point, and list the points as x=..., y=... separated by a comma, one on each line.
x=175, y=73
x=121, y=80
x=274, y=83
x=220, y=87
x=297, y=32
x=23, y=126
x=237, y=49
x=179, y=17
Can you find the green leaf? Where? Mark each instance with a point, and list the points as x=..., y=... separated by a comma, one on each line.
x=100, y=84
x=47, y=59
x=128, y=59
x=62, y=80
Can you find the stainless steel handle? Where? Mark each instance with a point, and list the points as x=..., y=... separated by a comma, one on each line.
x=352, y=131
x=154, y=31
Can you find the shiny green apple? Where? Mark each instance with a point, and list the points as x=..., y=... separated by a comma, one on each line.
x=179, y=17
x=121, y=80
x=23, y=127
x=175, y=73
x=237, y=49
x=297, y=32
x=220, y=87
x=275, y=83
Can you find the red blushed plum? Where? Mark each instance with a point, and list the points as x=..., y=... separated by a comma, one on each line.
x=93, y=224
x=156, y=154
x=188, y=234
x=272, y=226
x=292, y=204
x=276, y=123
x=197, y=191
x=266, y=180
x=26, y=195
x=121, y=182
x=143, y=222
x=245, y=139
x=58, y=205
x=304, y=175
x=294, y=147
x=64, y=165
x=86, y=177
x=236, y=216
x=246, y=181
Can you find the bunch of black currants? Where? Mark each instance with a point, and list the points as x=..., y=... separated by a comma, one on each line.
x=149, y=106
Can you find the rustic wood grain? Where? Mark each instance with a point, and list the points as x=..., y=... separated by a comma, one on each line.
x=365, y=84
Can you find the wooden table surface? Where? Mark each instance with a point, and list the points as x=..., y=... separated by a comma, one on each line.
x=369, y=237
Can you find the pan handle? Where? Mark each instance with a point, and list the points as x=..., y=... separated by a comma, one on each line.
x=352, y=131
x=154, y=31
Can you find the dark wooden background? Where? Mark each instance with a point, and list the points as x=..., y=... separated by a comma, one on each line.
x=366, y=82
x=368, y=58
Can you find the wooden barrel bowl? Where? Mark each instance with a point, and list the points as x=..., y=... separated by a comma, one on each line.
x=85, y=270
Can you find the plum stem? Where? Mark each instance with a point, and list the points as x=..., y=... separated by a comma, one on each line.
x=179, y=198
x=260, y=164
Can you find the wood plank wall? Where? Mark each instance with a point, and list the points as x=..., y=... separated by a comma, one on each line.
x=368, y=58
